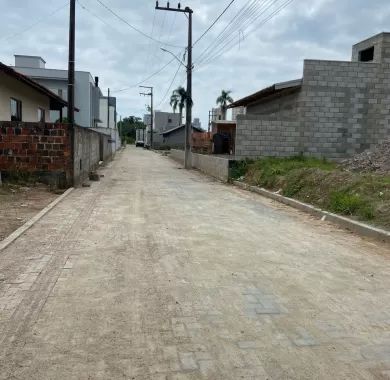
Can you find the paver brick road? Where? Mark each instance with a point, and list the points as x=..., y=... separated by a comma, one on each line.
x=160, y=273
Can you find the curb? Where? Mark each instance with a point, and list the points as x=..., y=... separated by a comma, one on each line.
x=341, y=221
x=26, y=226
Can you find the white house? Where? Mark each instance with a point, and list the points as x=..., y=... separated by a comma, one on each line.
x=87, y=91
x=24, y=100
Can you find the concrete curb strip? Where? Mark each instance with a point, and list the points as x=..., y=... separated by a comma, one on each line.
x=341, y=221
x=21, y=230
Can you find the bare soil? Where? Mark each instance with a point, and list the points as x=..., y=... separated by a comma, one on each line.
x=19, y=203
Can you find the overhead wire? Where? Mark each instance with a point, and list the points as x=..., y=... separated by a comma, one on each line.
x=259, y=9
x=248, y=11
x=170, y=86
x=264, y=21
x=84, y=7
x=146, y=79
x=215, y=21
x=39, y=21
x=134, y=27
x=233, y=22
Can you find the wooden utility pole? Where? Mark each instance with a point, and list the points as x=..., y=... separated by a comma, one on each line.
x=151, y=112
x=188, y=130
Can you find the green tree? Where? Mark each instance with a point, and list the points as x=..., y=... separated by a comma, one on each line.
x=223, y=100
x=174, y=102
x=181, y=94
x=128, y=127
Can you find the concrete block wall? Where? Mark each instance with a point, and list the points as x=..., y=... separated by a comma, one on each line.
x=343, y=108
x=216, y=167
x=282, y=107
x=177, y=155
x=266, y=137
x=213, y=166
x=90, y=148
x=381, y=45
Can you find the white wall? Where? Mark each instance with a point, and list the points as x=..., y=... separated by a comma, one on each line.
x=30, y=98
x=103, y=115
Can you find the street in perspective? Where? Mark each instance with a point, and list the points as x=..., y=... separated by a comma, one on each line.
x=195, y=190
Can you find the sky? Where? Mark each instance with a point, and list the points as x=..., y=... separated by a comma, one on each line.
x=254, y=44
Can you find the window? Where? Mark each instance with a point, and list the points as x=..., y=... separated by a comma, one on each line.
x=60, y=93
x=169, y=120
x=41, y=115
x=16, y=110
x=367, y=55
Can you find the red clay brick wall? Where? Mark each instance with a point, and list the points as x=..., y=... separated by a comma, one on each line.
x=35, y=148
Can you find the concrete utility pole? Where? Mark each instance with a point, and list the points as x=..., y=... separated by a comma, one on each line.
x=120, y=129
x=71, y=61
x=71, y=79
x=188, y=130
x=151, y=112
x=108, y=109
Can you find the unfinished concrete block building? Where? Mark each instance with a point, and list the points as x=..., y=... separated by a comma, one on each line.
x=336, y=110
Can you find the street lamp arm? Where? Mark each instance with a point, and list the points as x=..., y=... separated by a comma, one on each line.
x=173, y=55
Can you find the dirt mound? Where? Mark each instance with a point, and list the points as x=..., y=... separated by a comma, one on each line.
x=377, y=160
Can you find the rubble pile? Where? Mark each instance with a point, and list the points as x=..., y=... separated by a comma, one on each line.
x=377, y=160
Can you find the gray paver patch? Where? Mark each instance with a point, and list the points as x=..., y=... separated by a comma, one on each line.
x=302, y=338
x=188, y=361
x=376, y=352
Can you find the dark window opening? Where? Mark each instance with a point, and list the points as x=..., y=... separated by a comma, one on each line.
x=169, y=120
x=41, y=115
x=367, y=55
x=16, y=109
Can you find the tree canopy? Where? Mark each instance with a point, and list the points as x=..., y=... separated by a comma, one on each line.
x=128, y=126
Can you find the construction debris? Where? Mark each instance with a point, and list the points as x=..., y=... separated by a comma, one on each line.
x=377, y=160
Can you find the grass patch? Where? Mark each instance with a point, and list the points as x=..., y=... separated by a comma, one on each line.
x=322, y=183
x=350, y=204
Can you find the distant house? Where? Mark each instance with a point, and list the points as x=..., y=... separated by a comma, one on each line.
x=24, y=100
x=109, y=119
x=336, y=110
x=87, y=91
x=163, y=121
x=175, y=137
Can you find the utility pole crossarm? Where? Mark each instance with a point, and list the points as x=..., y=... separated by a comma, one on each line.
x=178, y=9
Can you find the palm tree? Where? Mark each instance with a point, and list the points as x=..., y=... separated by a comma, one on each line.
x=182, y=97
x=223, y=100
x=174, y=101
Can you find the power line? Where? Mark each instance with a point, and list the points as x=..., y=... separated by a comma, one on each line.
x=215, y=21
x=250, y=8
x=133, y=27
x=43, y=19
x=170, y=86
x=236, y=19
x=254, y=11
x=264, y=21
x=94, y=15
x=146, y=79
